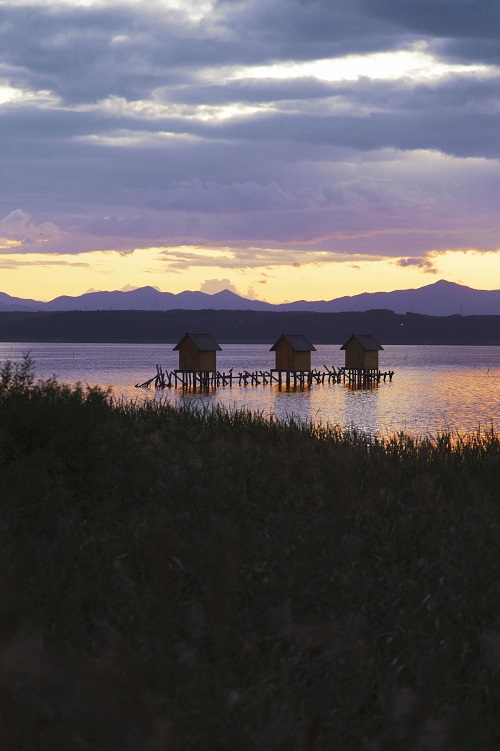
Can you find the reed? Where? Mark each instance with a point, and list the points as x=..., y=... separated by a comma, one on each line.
x=193, y=579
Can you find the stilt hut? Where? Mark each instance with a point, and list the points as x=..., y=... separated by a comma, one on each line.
x=293, y=352
x=198, y=352
x=361, y=352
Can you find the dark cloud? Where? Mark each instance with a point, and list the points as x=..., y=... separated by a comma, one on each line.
x=485, y=51
x=440, y=18
x=303, y=29
x=138, y=126
x=425, y=264
x=464, y=30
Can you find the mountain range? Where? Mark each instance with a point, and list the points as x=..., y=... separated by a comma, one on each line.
x=439, y=299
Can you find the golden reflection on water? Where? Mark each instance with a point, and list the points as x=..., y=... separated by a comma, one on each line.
x=433, y=389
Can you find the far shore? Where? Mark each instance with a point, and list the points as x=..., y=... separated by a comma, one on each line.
x=230, y=326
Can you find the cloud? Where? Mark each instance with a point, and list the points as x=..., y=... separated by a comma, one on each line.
x=221, y=125
x=132, y=287
x=422, y=263
x=211, y=286
x=183, y=259
x=20, y=228
x=442, y=18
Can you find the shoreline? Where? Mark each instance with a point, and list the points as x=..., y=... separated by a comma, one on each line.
x=164, y=327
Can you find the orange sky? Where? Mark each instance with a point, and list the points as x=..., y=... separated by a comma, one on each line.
x=40, y=277
x=189, y=144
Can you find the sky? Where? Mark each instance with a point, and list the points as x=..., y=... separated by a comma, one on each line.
x=283, y=149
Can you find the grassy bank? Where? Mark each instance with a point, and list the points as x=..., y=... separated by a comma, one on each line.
x=181, y=580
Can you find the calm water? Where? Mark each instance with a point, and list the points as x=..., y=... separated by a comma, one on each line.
x=434, y=388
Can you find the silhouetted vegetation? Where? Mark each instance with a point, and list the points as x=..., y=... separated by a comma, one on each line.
x=183, y=579
x=246, y=326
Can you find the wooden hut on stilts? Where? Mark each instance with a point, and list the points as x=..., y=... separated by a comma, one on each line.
x=197, y=359
x=361, y=358
x=293, y=358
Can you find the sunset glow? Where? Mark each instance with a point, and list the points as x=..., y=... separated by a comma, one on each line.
x=185, y=143
x=415, y=65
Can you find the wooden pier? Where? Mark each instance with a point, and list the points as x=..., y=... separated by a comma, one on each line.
x=365, y=376
x=197, y=369
x=287, y=379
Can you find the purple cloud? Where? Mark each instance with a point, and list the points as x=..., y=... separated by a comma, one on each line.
x=133, y=127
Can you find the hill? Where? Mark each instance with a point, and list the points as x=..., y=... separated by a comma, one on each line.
x=439, y=299
x=246, y=326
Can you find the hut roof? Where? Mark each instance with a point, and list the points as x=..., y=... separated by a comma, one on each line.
x=367, y=341
x=203, y=342
x=297, y=342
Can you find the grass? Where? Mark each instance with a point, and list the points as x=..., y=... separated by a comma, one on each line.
x=180, y=579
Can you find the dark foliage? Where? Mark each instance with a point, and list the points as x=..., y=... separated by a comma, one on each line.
x=174, y=579
x=246, y=326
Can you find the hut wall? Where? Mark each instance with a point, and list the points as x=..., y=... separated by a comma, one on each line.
x=293, y=352
x=302, y=361
x=371, y=359
x=283, y=353
x=288, y=359
x=189, y=356
x=207, y=361
x=357, y=357
x=354, y=356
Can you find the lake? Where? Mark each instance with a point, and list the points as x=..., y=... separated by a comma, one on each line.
x=434, y=388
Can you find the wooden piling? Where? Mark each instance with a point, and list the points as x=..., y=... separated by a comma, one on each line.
x=194, y=379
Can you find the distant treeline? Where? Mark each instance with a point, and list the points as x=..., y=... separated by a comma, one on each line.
x=246, y=326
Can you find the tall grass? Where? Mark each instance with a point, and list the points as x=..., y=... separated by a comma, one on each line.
x=183, y=579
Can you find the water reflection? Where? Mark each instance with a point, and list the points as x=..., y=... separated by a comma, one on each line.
x=291, y=402
x=361, y=410
x=434, y=388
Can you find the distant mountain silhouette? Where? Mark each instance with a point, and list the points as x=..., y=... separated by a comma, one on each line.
x=16, y=303
x=439, y=299
x=144, y=298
